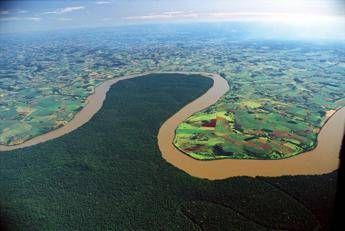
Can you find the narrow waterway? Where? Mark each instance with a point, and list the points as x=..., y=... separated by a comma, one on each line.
x=323, y=159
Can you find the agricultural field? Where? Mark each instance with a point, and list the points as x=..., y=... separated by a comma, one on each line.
x=274, y=108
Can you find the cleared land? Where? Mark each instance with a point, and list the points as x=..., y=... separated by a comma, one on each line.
x=109, y=174
x=257, y=119
x=274, y=109
x=94, y=103
x=324, y=158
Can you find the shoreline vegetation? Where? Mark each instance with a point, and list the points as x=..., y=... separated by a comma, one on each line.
x=109, y=174
x=93, y=105
x=323, y=159
x=302, y=164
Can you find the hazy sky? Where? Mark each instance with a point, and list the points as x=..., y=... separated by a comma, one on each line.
x=50, y=15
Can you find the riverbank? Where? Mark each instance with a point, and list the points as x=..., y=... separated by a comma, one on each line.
x=110, y=174
x=322, y=159
x=94, y=104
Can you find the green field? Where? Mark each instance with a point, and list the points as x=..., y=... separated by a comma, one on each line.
x=280, y=90
x=274, y=109
x=109, y=175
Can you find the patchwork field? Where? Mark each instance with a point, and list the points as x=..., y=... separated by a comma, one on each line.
x=280, y=90
x=274, y=109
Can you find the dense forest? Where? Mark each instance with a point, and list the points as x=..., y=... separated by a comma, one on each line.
x=109, y=175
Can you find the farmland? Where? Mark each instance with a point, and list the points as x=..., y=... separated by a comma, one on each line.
x=273, y=110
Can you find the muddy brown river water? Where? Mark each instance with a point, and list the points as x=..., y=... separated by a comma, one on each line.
x=323, y=159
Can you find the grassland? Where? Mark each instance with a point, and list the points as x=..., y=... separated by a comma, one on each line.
x=109, y=175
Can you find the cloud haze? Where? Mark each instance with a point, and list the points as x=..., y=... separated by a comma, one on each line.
x=326, y=16
x=36, y=19
x=164, y=15
x=65, y=10
x=102, y=2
